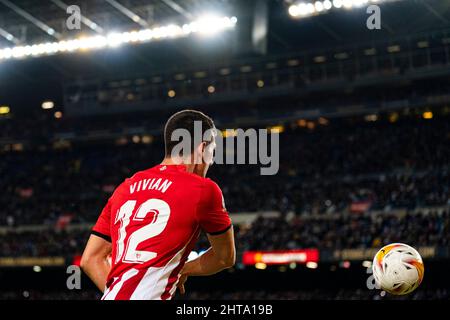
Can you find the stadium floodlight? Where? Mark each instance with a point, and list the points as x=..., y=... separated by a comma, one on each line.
x=327, y=5
x=319, y=6
x=311, y=7
x=303, y=9
x=337, y=3
x=294, y=10
x=206, y=25
x=348, y=3
x=359, y=3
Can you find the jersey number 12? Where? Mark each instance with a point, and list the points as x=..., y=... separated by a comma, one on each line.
x=128, y=252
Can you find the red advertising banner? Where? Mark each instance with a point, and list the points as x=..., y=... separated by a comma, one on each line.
x=76, y=260
x=280, y=256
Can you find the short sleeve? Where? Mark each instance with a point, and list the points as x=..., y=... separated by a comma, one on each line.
x=103, y=226
x=212, y=214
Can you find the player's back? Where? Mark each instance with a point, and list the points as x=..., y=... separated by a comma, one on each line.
x=153, y=220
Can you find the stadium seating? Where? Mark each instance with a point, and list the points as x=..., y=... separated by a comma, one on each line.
x=325, y=169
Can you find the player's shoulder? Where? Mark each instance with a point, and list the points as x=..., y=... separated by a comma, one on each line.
x=211, y=195
x=195, y=182
x=210, y=188
x=209, y=183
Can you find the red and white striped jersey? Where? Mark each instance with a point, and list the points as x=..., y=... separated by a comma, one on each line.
x=153, y=220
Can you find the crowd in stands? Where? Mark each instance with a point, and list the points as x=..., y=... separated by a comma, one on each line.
x=349, y=231
x=329, y=177
x=45, y=243
x=340, y=232
x=326, y=169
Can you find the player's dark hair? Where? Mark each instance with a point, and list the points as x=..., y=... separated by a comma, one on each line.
x=185, y=120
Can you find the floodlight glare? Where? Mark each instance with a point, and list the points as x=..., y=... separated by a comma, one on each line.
x=308, y=8
x=207, y=25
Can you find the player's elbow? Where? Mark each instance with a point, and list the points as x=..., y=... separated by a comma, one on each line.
x=85, y=262
x=228, y=260
x=231, y=261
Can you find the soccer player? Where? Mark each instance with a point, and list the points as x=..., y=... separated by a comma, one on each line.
x=139, y=246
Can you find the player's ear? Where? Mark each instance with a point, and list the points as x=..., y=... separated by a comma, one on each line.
x=198, y=153
x=203, y=146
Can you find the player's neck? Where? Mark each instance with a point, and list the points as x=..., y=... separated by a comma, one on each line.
x=178, y=161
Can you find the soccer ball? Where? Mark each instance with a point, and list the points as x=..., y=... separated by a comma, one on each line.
x=398, y=268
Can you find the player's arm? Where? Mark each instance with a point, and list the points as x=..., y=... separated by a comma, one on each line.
x=94, y=261
x=221, y=255
x=215, y=221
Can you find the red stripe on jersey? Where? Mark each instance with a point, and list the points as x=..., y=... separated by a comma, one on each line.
x=130, y=285
x=174, y=275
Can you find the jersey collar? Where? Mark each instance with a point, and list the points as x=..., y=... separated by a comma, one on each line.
x=171, y=167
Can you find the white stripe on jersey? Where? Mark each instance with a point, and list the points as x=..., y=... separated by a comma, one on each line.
x=154, y=283
x=111, y=294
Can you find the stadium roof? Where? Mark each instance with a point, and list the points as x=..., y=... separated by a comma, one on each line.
x=43, y=77
x=23, y=18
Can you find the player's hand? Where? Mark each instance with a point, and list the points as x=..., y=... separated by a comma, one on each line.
x=181, y=282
